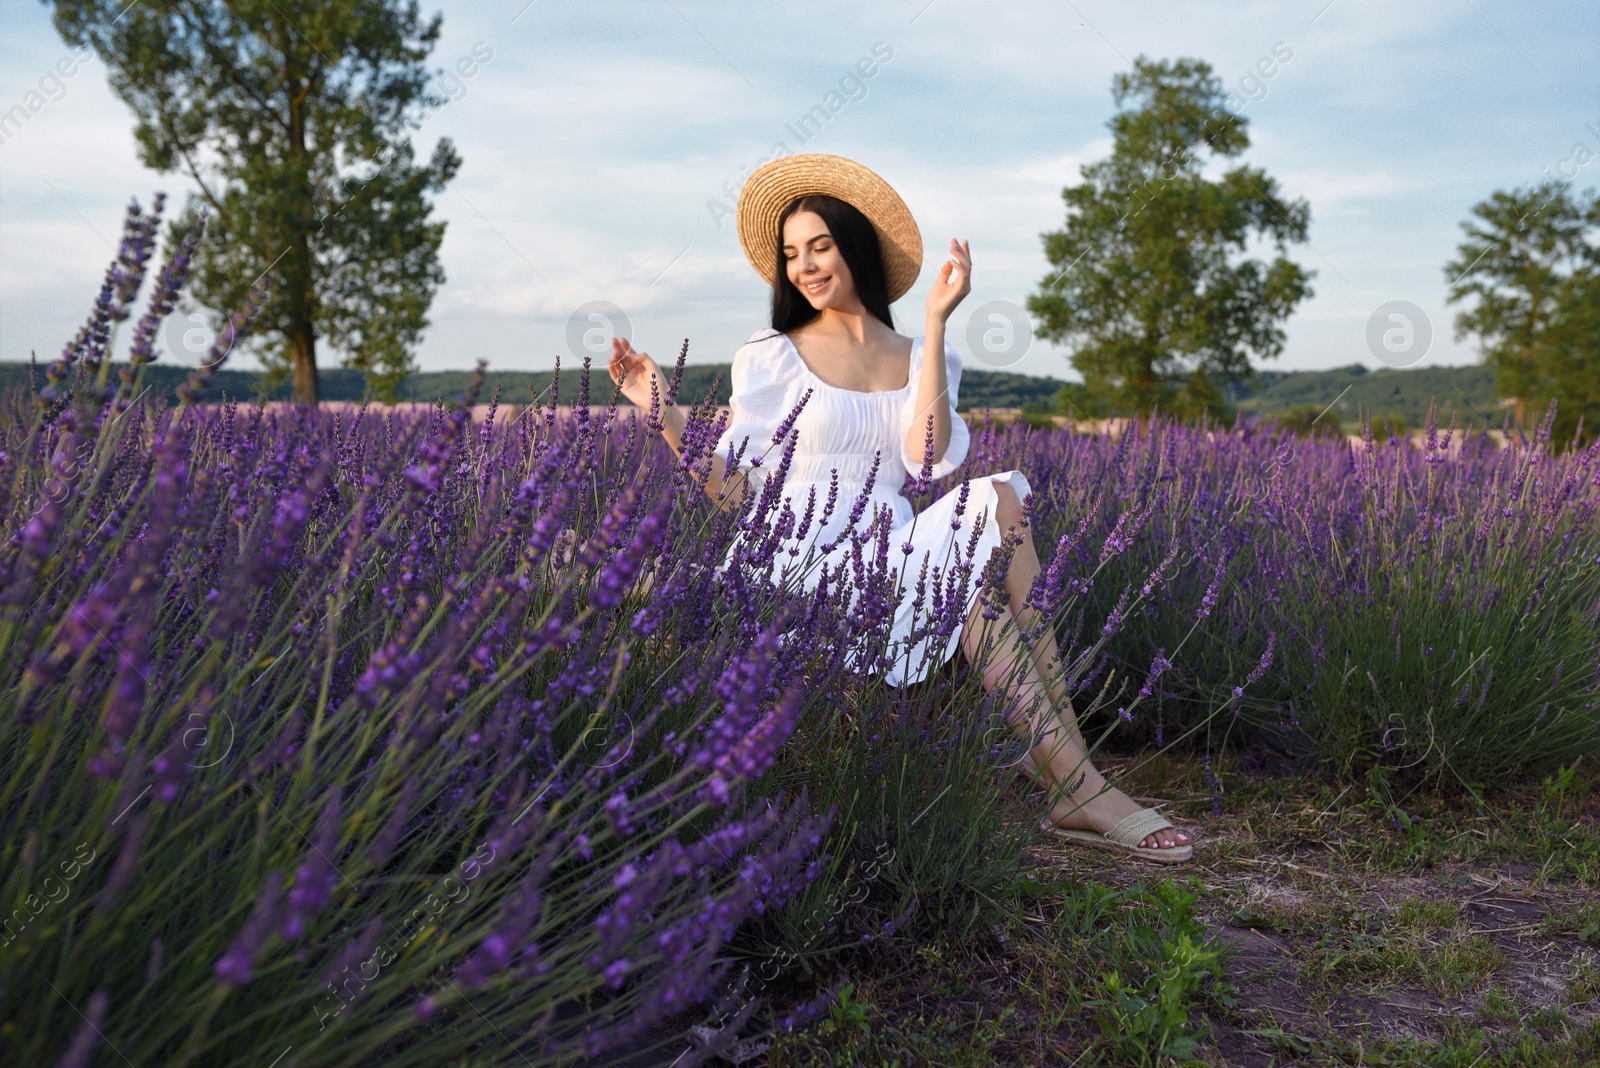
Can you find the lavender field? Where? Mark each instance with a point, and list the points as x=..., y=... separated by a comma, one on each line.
x=403, y=738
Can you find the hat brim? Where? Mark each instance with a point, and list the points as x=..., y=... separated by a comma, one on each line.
x=773, y=186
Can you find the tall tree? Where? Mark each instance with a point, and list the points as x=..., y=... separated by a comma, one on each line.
x=1150, y=287
x=293, y=118
x=1531, y=268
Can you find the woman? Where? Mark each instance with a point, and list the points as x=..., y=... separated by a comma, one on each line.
x=838, y=246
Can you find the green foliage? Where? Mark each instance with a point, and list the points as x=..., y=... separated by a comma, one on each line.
x=1445, y=964
x=845, y=1015
x=1306, y=420
x=1150, y=1024
x=1157, y=958
x=1002, y=389
x=1531, y=266
x=1555, y=792
x=1389, y=424
x=293, y=119
x=1498, y=1008
x=1055, y=937
x=1080, y=402
x=1149, y=285
x=1404, y=393
x=1039, y=414
x=979, y=388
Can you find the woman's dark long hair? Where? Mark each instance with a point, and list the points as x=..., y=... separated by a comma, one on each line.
x=858, y=245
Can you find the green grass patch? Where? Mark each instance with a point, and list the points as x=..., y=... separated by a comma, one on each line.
x=1134, y=962
x=1583, y=921
x=1421, y=914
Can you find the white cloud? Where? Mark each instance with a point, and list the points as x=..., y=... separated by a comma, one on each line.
x=1328, y=190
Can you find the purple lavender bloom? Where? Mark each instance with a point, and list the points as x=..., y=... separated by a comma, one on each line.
x=1209, y=600
x=127, y=860
x=1266, y=659
x=619, y=811
x=754, y=753
x=315, y=877
x=1114, y=620
x=383, y=846
x=236, y=966
x=88, y=1035
x=1159, y=664
x=355, y=952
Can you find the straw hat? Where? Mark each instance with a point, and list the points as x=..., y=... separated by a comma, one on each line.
x=773, y=186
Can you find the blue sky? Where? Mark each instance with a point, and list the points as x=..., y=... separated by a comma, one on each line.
x=599, y=136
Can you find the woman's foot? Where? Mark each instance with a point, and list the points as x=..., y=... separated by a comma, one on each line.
x=1098, y=806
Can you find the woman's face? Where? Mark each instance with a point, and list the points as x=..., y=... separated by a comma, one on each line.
x=813, y=263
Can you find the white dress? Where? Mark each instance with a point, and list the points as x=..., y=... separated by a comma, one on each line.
x=843, y=430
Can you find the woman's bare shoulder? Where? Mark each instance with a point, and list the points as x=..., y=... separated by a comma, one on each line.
x=768, y=353
x=893, y=340
x=765, y=338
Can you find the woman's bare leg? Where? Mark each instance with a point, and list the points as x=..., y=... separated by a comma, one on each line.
x=1061, y=755
x=1024, y=569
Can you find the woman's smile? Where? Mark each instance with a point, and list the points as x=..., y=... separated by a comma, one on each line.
x=815, y=288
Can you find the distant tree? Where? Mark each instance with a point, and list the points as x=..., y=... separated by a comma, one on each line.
x=1532, y=268
x=292, y=116
x=1312, y=420
x=1386, y=424
x=1149, y=286
x=1077, y=401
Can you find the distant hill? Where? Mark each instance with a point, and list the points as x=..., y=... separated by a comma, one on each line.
x=1467, y=390
x=164, y=380
x=978, y=388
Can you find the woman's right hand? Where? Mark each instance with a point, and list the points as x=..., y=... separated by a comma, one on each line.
x=632, y=370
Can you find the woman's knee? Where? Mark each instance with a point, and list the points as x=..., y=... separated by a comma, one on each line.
x=1008, y=507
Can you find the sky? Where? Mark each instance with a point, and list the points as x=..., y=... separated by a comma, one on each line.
x=604, y=143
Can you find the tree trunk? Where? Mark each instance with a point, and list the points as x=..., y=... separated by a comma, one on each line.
x=302, y=296
x=303, y=358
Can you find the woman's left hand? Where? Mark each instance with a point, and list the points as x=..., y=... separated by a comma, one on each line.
x=953, y=282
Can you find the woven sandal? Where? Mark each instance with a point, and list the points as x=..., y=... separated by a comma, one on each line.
x=1126, y=836
x=1123, y=838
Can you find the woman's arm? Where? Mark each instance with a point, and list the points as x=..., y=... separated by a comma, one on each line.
x=933, y=395
x=933, y=391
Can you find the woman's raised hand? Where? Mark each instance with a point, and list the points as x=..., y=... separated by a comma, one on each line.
x=953, y=282
x=632, y=370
